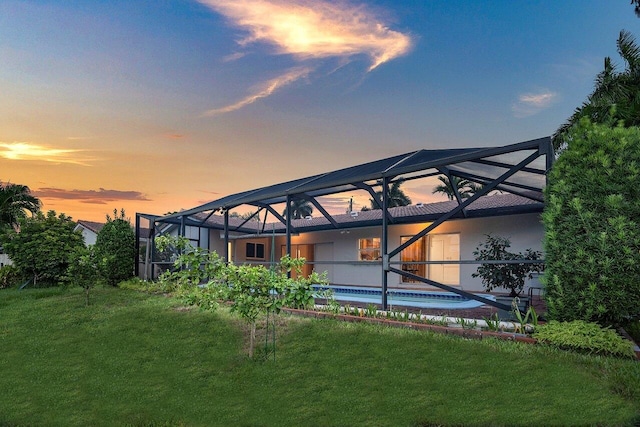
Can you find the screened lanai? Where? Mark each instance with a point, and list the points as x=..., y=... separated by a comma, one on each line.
x=518, y=169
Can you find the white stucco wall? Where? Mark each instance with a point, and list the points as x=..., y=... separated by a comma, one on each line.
x=5, y=260
x=525, y=231
x=89, y=236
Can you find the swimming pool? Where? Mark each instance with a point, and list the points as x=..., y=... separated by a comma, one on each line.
x=403, y=297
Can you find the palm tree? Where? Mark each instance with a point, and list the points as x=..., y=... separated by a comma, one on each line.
x=395, y=197
x=300, y=208
x=15, y=201
x=616, y=96
x=465, y=187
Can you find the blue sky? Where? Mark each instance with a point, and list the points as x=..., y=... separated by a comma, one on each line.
x=160, y=105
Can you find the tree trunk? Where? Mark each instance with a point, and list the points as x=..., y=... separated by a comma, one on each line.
x=252, y=338
x=86, y=294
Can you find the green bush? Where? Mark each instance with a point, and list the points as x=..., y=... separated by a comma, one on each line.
x=115, y=249
x=43, y=247
x=9, y=276
x=591, y=234
x=584, y=337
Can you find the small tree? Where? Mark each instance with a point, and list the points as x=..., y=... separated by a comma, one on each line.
x=508, y=276
x=115, y=249
x=83, y=269
x=42, y=247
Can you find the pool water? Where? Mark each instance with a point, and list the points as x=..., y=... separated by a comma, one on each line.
x=403, y=297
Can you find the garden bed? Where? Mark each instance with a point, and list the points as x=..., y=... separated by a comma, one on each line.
x=458, y=330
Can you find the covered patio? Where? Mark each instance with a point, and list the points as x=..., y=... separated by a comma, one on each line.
x=518, y=169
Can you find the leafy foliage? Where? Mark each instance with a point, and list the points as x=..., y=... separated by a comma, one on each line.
x=83, y=269
x=508, y=276
x=300, y=208
x=115, y=249
x=9, y=276
x=202, y=278
x=15, y=201
x=585, y=337
x=592, y=238
x=464, y=187
x=42, y=248
x=616, y=96
x=395, y=197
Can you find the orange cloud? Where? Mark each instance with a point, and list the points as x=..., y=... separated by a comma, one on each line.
x=34, y=152
x=316, y=29
x=101, y=196
x=174, y=136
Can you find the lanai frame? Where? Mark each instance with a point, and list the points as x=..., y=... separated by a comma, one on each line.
x=519, y=169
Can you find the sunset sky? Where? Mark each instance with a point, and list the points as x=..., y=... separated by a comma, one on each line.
x=159, y=105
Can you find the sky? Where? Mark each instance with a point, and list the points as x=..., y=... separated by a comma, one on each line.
x=160, y=105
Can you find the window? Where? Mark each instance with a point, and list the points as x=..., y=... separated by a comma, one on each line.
x=369, y=249
x=255, y=250
x=416, y=252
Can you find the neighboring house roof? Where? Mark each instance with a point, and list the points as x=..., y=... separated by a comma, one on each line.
x=496, y=205
x=90, y=225
x=95, y=227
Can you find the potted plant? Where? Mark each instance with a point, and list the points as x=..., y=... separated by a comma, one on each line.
x=509, y=276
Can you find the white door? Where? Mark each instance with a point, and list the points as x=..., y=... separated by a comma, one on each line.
x=444, y=247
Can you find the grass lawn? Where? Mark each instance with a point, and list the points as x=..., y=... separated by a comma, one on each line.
x=137, y=359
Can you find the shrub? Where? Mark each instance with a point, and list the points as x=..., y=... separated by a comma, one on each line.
x=591, y=234
x=42, y=247
x=584, y=337
x=9, y=276
x=115, y=249
x=507, y=276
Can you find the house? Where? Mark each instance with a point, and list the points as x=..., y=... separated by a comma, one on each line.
x=89, y=229
x=417, y=246
x=4, y=258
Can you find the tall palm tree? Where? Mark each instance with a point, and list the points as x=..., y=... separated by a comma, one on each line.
x=395, y=197
x=616, y=95
x=300, y=208
x=465, y=187
x=15, y=201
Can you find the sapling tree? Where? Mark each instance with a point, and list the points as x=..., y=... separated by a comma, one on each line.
x=509, y=276
x=203, y=278
x=83, y=269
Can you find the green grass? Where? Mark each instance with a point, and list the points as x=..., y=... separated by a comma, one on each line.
x=132, y=358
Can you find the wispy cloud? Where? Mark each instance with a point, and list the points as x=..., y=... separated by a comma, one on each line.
x=306, y=30
x=529, y=104
x=173, y=135
x=262, y=91
x=35, y=152
x=99, y=197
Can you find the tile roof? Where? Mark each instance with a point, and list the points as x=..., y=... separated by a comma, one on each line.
x=495, y=205
x=91, y=225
